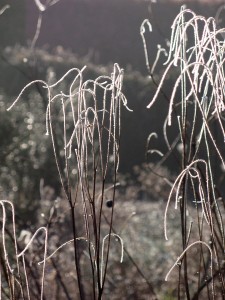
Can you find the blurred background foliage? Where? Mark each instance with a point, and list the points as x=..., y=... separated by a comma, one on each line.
x=76, y=39
x=24, y=144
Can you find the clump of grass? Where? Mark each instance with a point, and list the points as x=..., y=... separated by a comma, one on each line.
x=196, y=114
x=88, y=113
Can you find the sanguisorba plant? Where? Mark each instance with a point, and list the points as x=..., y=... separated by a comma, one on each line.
x=87, y=158
x=196, y=113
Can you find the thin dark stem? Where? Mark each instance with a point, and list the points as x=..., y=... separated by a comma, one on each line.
x=60, y=279
x=76, y=252
x=207, y=282
x=151, y=289
x=109, y=239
